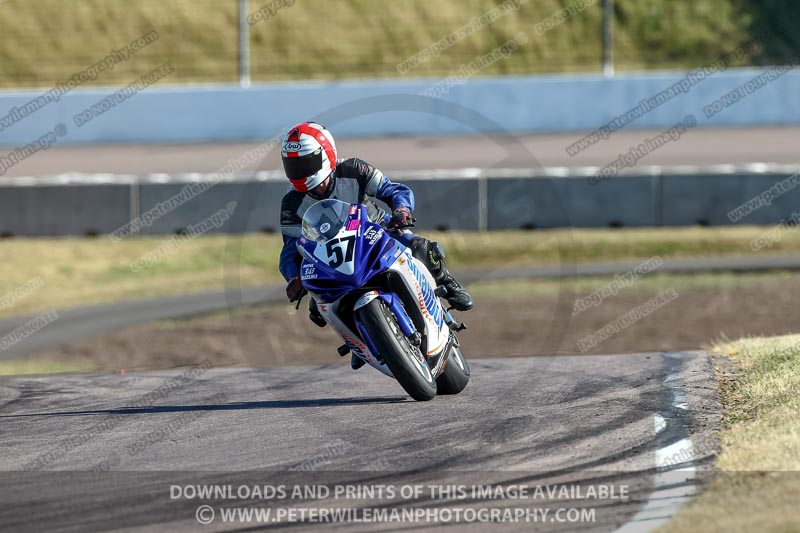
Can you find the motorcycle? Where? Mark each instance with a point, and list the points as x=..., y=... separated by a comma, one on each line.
x=380, y=300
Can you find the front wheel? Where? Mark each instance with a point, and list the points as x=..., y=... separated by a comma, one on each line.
x=456, y=374
x=403, y=358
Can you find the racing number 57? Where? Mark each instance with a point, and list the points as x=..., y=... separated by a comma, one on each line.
x=340, y=250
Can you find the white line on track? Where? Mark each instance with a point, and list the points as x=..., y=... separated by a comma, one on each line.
x=675, y=483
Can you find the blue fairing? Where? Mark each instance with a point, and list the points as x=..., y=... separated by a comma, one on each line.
x=374, y=252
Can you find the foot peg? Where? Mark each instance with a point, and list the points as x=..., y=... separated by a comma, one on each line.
x=452, y=323
x=356, y=362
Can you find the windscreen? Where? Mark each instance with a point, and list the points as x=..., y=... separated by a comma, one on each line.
x=323, y=220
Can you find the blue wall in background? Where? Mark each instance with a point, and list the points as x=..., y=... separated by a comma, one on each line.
x=362, y=108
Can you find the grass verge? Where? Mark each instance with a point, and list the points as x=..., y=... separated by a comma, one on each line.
x=82, y=271
x=199, y=37
x=525, y=289
x=757, y=486
x=20, y=367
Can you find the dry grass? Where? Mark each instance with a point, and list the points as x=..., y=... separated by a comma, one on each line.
x=45, y=41
x=758, y=484
x=80, y=271
x=85, y=271
x=514, y=290
x=39, y=366
x=555, y=246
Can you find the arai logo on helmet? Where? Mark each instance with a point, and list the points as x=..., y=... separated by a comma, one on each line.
x=293, y=146
x=325, y=227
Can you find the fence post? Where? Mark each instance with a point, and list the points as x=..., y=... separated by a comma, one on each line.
x=244, y=45
x=608, y=44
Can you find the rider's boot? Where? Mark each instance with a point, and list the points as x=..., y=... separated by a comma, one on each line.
x=314, y=315
x=432, y=254
x=457, y=296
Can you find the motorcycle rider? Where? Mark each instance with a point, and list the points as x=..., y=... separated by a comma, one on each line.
x=309, y=159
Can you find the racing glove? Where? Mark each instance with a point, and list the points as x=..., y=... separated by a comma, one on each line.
x=295, y=290
x=401, y=218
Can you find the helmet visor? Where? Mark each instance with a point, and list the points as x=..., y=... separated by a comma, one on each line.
x=298, y=168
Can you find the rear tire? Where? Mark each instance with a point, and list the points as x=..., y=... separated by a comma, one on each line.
x=456, y=374
x=397, y=352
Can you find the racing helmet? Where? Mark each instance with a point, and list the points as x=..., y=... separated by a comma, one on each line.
x=309, y=155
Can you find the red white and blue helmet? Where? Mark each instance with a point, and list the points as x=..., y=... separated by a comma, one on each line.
x=309, y=155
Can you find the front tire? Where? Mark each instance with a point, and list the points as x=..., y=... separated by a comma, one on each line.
x=397, y=352
x=456, y=374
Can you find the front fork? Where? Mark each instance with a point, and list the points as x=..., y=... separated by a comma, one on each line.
x=403, y=320
x=407, y=327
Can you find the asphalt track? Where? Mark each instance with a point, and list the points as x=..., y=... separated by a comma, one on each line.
x=617, y=421
x=91, y=452
x=699, y=147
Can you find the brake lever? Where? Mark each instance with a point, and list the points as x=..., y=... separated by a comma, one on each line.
x=302, y=295
x=398, y=229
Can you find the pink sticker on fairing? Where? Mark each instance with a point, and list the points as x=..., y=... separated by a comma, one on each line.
x=353, y=225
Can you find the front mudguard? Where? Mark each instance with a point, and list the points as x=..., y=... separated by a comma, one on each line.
x=395, y=305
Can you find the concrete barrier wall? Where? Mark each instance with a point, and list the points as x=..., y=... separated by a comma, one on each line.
x=377, y=107
x=54, y=210
x=257, y=207
x=564, y=202
x=707, y=199
x=450, y=204
x=482, y=203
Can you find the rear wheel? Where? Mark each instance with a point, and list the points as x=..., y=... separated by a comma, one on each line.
x=403, y=358
x=456, y=374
